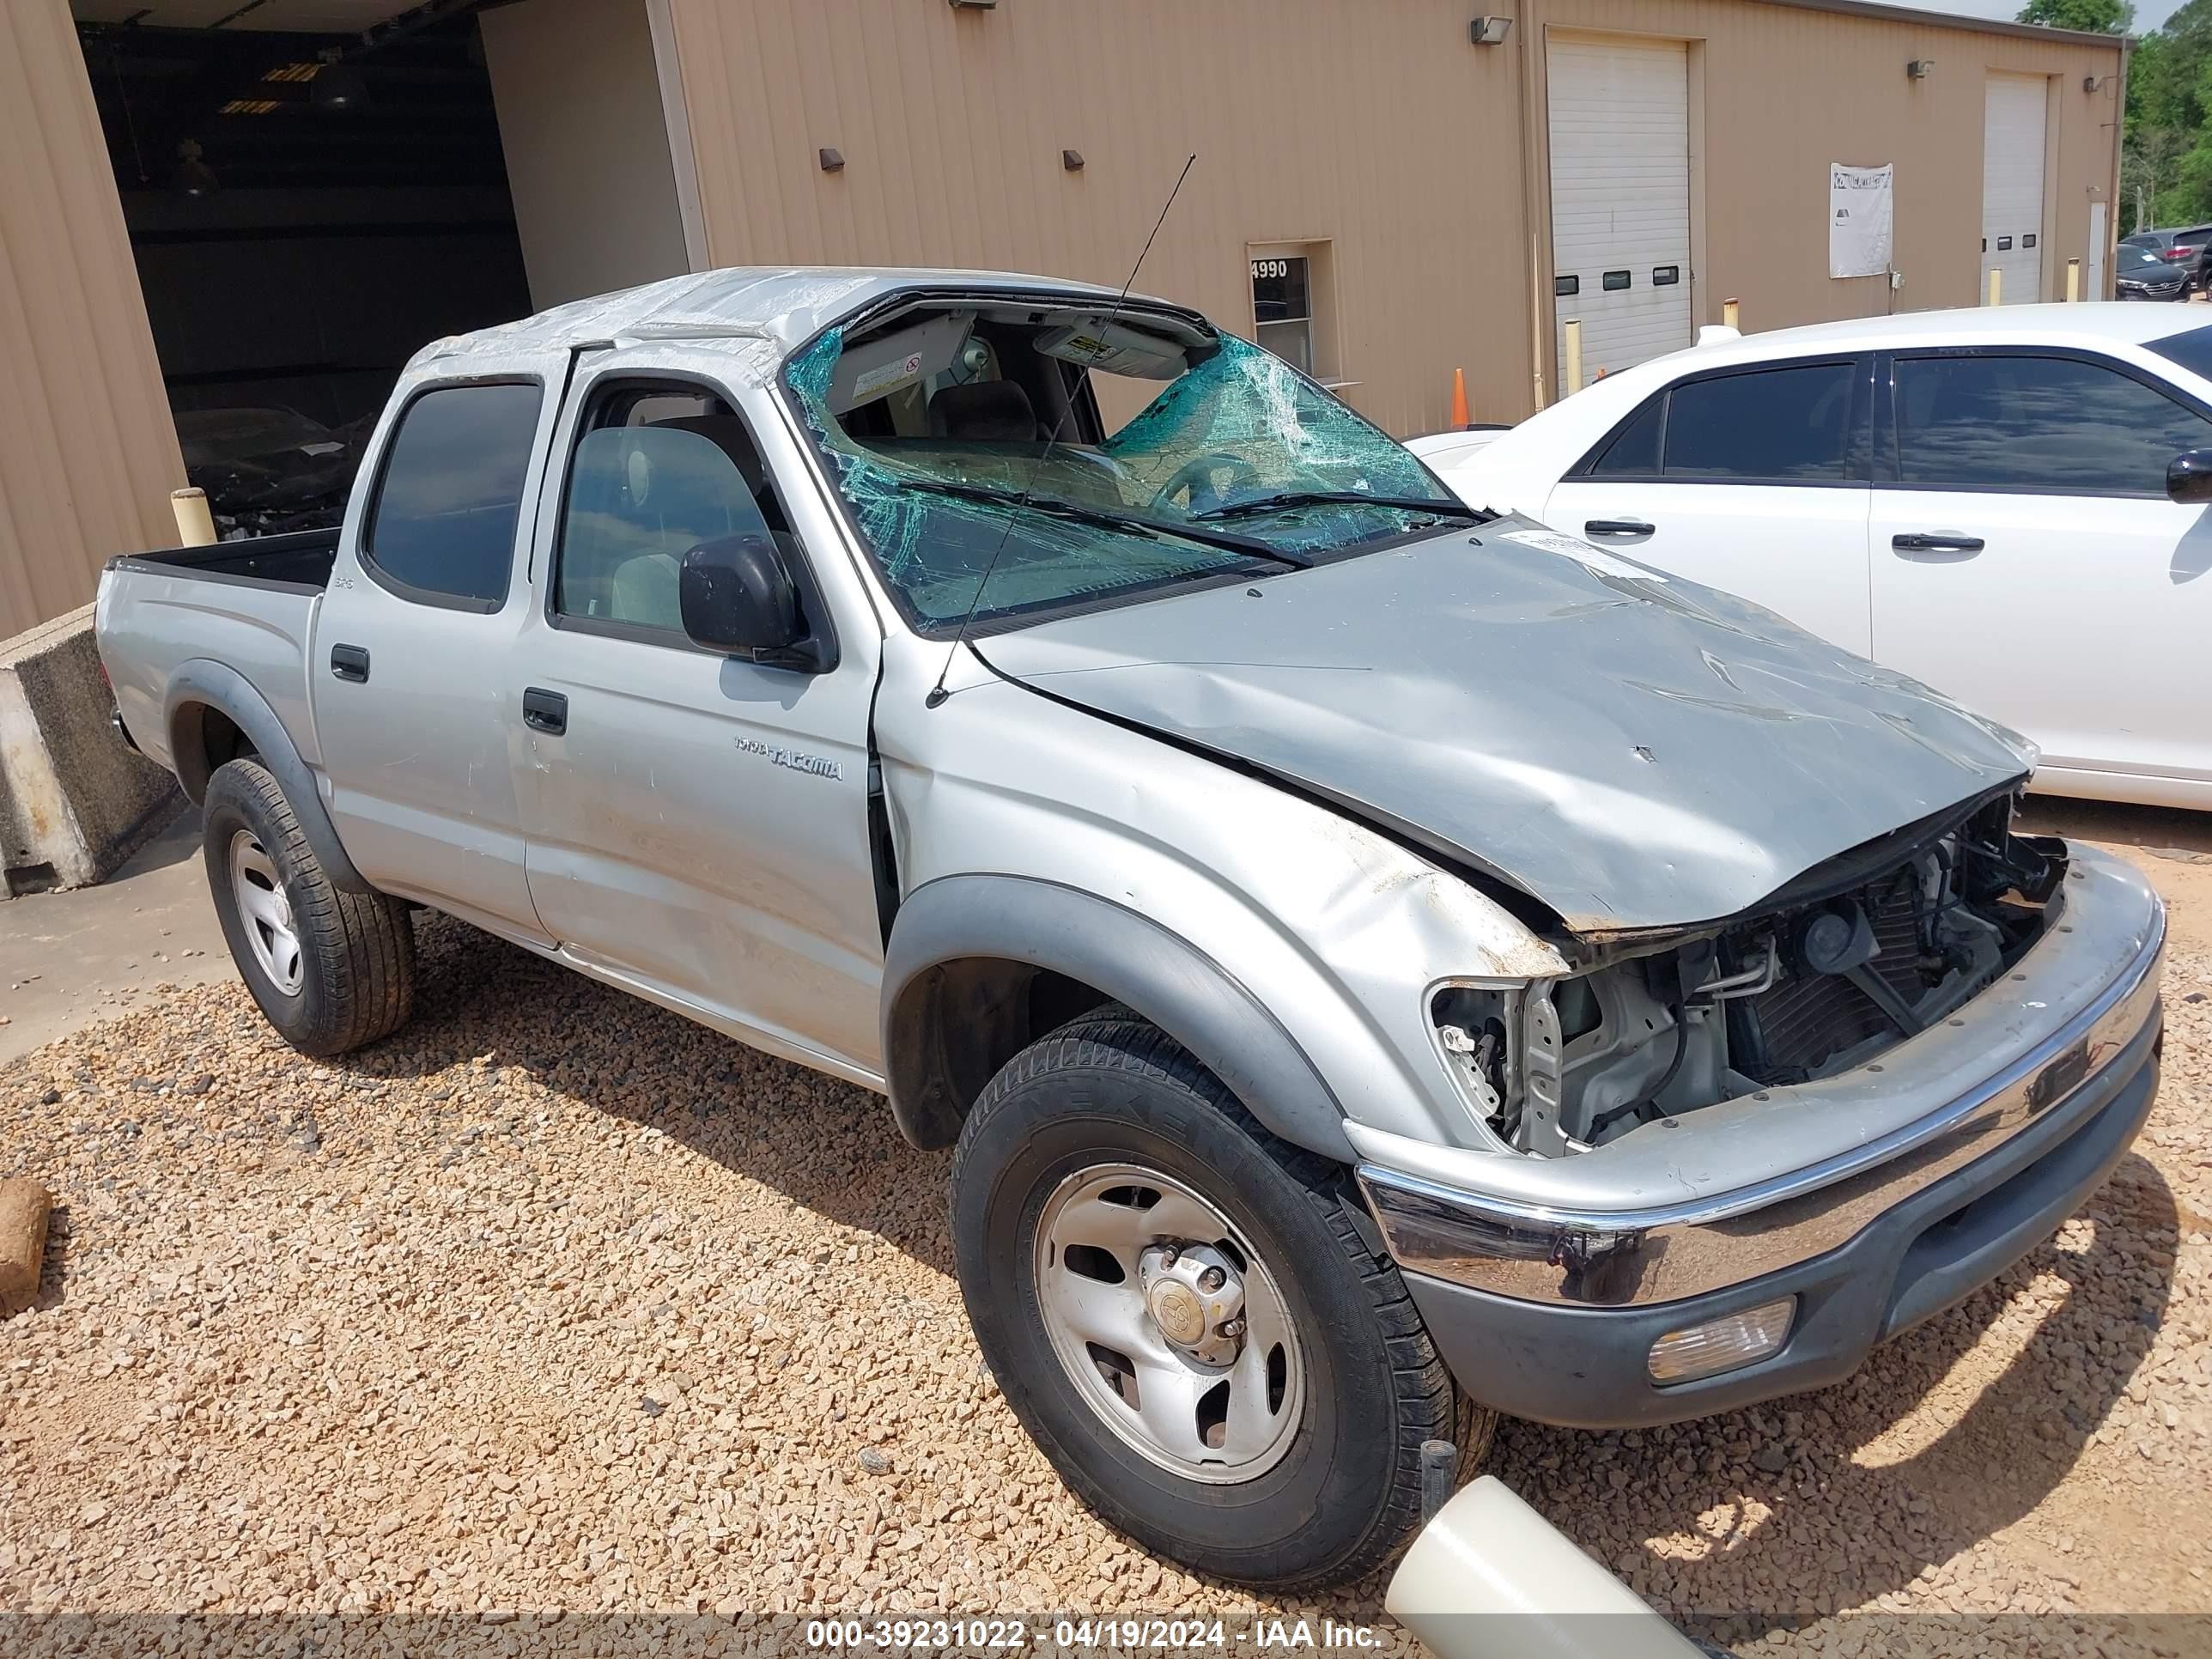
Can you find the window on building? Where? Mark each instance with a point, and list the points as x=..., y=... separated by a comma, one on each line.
x=2037, y=424
x=1785, y=424
x=1282, y=307
x=441, y=529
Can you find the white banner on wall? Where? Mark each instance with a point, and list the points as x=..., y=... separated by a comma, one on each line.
x=1858, y=220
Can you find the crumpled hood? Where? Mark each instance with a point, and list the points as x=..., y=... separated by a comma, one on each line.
x=1634, y=749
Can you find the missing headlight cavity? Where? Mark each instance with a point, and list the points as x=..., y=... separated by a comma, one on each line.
x=1835, y=973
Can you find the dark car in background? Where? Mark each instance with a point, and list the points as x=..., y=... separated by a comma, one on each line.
x=2143, y=273
x=2184, y=248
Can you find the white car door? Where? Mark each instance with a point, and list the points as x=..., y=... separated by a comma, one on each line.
x=1753, y=479
x=2027, y=561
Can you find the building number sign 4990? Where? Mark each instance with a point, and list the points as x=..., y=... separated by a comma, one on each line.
x=1265, y=268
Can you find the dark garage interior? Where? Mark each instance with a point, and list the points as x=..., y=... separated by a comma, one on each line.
x=307, y=210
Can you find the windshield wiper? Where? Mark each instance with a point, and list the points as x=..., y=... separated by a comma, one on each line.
x=1055, y=506
x=1343, y=498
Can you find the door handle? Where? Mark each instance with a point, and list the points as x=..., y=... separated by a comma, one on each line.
x=351, y=662
x=1938, y=541
x=1617, y=528
x=544, y=711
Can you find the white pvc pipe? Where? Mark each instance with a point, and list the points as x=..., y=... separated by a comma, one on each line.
x=1491, y=1576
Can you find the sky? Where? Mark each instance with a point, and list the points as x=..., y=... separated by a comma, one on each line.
x=2149, y=13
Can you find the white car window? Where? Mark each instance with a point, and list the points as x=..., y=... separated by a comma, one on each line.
x=2043, y=424
x=1786, y=425
x=1780, y=425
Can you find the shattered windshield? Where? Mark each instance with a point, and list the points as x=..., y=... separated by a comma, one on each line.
x=964, y=446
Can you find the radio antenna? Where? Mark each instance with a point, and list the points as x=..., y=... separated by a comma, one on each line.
x=937, y=694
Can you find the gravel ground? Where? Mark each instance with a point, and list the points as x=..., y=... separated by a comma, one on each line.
x=557, y=1301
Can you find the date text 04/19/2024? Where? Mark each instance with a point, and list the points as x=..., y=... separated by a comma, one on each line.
x=1194, y=1635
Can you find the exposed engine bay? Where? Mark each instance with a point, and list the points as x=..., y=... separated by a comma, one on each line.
x=1849, y=961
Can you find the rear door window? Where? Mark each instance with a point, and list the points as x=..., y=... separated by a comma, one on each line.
x=1789, y=425
x=440, y=529
x=2037, y=425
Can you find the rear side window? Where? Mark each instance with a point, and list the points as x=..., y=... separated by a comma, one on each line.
x=442, y=528
x=2041, y=424
x=1634, y=451
x=1780, y=425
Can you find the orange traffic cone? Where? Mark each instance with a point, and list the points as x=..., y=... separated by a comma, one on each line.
x=1460, y=418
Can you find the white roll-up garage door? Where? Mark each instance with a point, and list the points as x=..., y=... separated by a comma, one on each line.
x=1620, y=195
x=2012, y=186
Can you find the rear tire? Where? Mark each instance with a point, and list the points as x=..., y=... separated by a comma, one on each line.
x=331, y=970
x=1306, y=1468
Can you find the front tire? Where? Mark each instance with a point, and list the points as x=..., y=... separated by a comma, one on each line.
x=1183, y=1313
x=331, y=970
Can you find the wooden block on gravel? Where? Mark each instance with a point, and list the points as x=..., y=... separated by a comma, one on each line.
x=24, y=1205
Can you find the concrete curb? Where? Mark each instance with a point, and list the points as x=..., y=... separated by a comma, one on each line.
x=74, y=799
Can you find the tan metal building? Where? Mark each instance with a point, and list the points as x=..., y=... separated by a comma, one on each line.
x=1386, y=190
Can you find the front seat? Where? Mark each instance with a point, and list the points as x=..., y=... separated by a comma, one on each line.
x=985, y=411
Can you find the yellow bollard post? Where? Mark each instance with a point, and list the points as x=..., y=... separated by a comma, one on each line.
x=2073, y=282
x=195, y=524
x=1731, y=313
x=1570, y=373
x=1997, y=286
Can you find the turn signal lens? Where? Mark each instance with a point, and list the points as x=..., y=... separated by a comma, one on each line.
x=1722, y=1345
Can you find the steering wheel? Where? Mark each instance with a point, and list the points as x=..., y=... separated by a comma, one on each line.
x=1207, y=482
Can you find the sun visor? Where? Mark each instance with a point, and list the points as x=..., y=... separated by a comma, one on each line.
x=1093, y=343
x=891, y=362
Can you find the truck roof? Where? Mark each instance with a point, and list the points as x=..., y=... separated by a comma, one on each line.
x=783, y=307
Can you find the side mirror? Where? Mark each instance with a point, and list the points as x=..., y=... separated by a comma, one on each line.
x=737, y=597
x=2189, y=476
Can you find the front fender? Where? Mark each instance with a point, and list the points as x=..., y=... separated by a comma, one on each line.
x=202, y=684
x=1129, y=956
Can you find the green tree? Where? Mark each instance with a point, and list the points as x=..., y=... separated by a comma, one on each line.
x=2094, y=16
x=2168, y=133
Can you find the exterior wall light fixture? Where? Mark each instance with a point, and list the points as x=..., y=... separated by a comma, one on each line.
x=1918, y=68
x=1489, y=31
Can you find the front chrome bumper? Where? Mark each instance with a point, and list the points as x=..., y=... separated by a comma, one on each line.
x=2079, y=1001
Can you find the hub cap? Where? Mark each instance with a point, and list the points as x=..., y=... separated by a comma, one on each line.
x=1171, y=1330
x=266, y=913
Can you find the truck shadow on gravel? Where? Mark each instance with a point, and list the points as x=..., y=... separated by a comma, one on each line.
x=1747, y=1522
x=820, y=1142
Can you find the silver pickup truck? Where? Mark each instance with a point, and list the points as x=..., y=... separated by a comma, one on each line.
x=1379, y=963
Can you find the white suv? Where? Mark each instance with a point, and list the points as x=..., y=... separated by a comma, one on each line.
x=2007, y=504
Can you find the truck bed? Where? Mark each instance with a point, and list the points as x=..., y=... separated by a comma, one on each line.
x=249, y=606
x=302, y=559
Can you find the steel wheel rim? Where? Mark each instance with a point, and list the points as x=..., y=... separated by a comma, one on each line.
x=266, y=914
x=1218, y=1409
